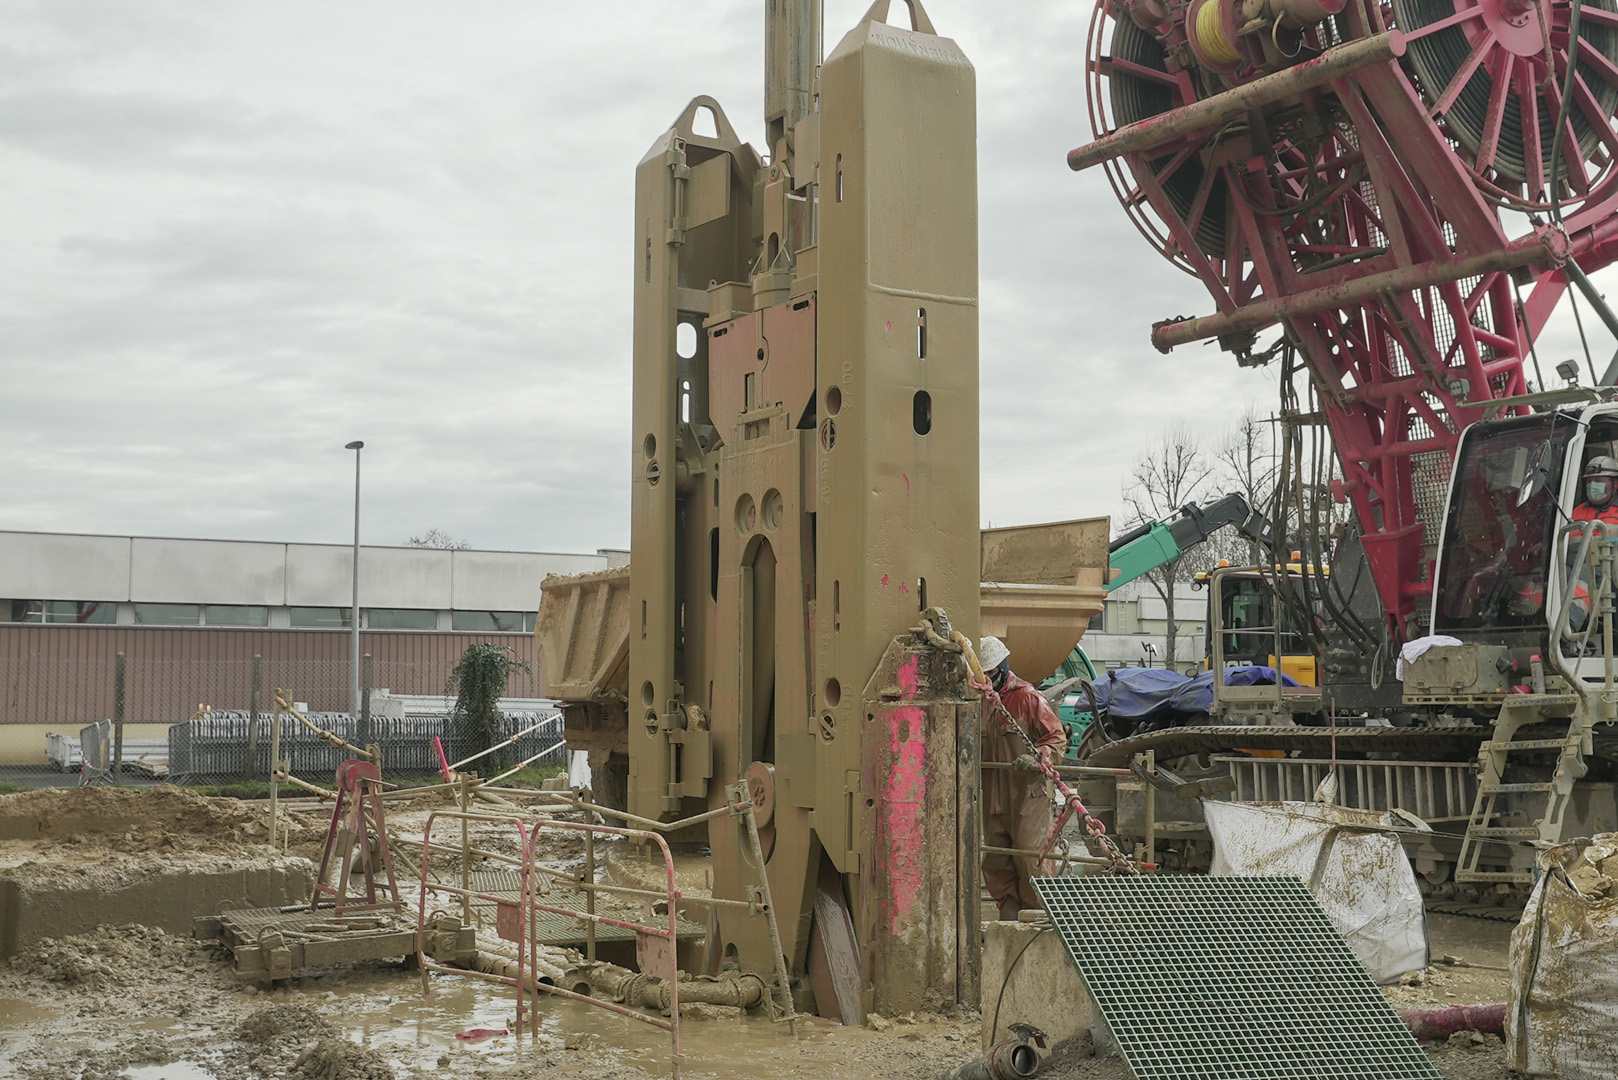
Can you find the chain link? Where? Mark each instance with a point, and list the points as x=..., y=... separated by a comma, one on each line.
x=1097, y=830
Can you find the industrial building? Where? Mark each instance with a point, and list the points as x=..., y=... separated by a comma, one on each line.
x=190, y=616
x=1132, y=629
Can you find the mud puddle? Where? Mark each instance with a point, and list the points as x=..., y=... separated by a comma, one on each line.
x=178, y=1070
x=17, y=1011
x=383, y=1010
x=417, y=1034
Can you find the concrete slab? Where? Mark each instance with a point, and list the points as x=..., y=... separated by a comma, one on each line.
x=36, y=905
x=1029, y=978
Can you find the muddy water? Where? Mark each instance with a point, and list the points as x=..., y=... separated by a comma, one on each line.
x=383, y=1009
x=15, y=1012
x=415, y=1032
x=177, y=1070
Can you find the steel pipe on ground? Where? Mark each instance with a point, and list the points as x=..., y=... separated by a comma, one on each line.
x=1178, y=123
x=491, y=964
x=1012, y=1059
x=616, y=983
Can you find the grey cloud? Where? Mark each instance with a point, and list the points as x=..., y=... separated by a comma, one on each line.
x=240, y=235
x=133, y=131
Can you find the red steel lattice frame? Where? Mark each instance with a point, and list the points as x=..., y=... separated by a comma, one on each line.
x=1377, y=238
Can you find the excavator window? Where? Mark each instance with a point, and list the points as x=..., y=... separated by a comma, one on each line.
x=1500, y=524
x=1247, y=615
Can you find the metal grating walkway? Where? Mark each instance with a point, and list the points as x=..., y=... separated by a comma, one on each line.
x=1229, y=978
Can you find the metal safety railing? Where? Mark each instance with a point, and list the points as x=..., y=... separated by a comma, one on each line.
x=518, y=922
x=516, y=918
x=1438, y=792
x=1586, y=605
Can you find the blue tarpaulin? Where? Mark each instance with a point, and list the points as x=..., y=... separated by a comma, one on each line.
x=1152, y=693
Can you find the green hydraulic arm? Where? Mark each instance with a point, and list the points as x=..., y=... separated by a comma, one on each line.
x=1146, y=547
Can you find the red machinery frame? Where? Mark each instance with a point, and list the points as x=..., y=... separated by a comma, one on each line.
x=1356, y=213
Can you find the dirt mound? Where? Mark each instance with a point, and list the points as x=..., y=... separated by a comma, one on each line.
x=137, y=819
x=111, y=958
x=339, y=1059
x=283, y=1023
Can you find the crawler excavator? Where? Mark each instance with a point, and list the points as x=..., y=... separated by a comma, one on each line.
x=1390, y=200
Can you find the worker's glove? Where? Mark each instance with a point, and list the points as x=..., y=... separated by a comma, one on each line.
x=1027, y=763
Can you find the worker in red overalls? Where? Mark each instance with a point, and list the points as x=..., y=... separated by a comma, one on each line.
x=1016, y=801
x=1599, y=486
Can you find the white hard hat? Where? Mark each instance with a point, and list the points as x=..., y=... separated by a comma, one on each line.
x=991, y=652
x=1601, y=466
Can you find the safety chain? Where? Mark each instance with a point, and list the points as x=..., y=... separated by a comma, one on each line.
x=1072, y=806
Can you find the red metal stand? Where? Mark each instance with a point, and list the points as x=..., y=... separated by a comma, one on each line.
x=353, y=821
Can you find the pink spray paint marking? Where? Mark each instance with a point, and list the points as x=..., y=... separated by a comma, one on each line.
x=884, y=581
x=904, y=801
x=904, y=797
x=906, y=480
x=910, y=677
x=904, y=586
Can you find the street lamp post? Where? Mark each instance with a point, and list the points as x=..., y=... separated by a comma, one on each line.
x=354, y=612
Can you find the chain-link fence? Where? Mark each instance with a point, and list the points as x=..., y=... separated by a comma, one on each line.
x=123, y=720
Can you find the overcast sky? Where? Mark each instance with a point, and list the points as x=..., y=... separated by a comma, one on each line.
x=235, y=236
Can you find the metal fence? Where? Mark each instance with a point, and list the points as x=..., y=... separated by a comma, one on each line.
x=209, y=722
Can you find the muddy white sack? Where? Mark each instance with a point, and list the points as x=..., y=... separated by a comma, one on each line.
x=1562, y=1018
x=1360, y=875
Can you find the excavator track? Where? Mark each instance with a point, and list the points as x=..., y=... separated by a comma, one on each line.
x=1509, y=912
x=1170, y=743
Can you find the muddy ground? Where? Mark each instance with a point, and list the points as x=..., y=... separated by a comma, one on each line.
x=131, y=1001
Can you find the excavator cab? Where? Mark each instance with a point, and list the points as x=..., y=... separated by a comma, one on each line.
x=1506, y=569
x=1499, y=527
x=1246, y=620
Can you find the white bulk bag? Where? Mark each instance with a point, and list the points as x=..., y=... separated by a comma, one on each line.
x=1562, y=1019
x=1358, y=872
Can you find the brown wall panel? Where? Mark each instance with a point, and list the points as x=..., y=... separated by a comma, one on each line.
x=66, y=674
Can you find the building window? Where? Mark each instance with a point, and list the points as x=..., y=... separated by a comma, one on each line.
x=400, y=619
x=28, y=611
x=529, y=618
x=1098, y=621
x=489, y=622
x=168, y=614
x=319, y=618
x=81, y=612
x=237, y=615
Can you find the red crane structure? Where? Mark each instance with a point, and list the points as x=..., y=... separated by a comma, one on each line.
x=1407, y=188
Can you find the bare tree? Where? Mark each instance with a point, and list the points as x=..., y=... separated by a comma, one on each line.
x=438, y=538
x=1170, y=474
x=1246, y=460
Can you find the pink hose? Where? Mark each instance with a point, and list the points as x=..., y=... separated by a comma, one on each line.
x=1431, y=1024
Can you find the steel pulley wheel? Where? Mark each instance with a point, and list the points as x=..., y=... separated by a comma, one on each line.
x=1313, y=175
x=1128, y=80
x=1493, y=73
x=1139, y=86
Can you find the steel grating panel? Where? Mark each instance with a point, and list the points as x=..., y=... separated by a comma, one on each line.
x=1228, y=978
x=248, y=923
